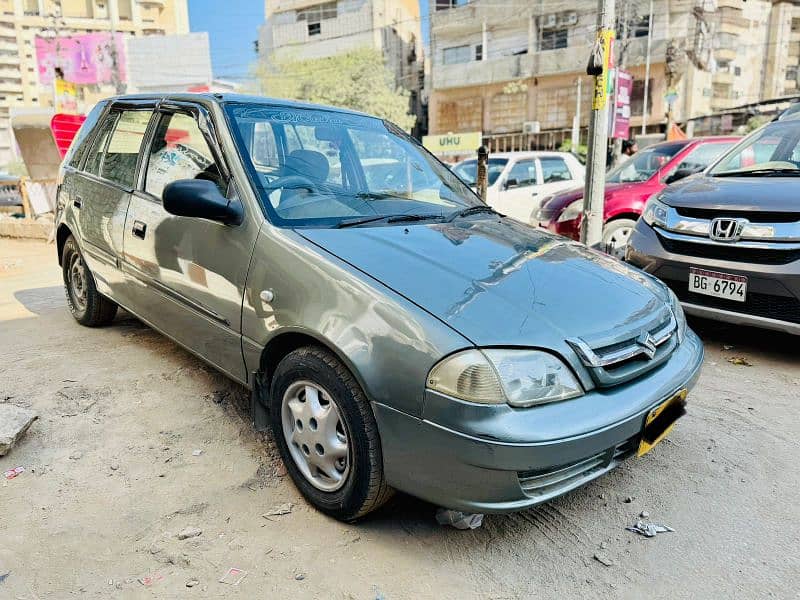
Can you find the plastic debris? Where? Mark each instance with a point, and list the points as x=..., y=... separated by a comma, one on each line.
x=11, y=473
x=233, y=576
x=649, y=529
x=4, y=576
x=458, y=519
x=197, y=452
x=149, y=580
x=277, y=511
x=604, y=559
x=740, y=361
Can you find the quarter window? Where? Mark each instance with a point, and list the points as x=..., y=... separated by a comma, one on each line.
x=95, y=159
x=179, y=151
x=119, y=162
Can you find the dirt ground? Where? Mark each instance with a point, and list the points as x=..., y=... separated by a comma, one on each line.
x=113, y=475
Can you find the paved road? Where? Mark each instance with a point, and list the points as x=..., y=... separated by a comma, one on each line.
x=112, y=476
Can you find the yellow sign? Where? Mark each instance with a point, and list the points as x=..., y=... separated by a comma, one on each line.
x=453, y=143
x=66, y=96
x=606, y=38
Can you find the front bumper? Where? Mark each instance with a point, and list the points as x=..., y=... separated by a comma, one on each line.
x=773, y=290
x=492, y=459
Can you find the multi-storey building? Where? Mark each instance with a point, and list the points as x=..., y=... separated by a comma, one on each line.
x=22, y=21
x=306, y=29
x=510, y=68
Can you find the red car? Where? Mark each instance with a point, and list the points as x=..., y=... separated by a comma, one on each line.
x=628, y=187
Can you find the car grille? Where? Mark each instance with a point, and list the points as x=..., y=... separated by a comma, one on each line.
x=732, y=252
x=544, y=485
x=781, y=308
x=752, y=216
x=611, y=364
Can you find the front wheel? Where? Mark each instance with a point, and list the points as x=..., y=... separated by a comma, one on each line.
x=86, y=304
x=327, y=435
x=616, y=235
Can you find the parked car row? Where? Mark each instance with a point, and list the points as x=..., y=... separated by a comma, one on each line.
x=628, y=187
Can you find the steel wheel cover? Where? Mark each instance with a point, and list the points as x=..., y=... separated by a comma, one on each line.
x=316, y=435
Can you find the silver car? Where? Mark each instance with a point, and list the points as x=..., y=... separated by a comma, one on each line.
x=396, y=333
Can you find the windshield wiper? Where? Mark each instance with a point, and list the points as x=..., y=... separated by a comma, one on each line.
x=766, y=172
x=380, y=196
x=470, y=210
x=387, y=218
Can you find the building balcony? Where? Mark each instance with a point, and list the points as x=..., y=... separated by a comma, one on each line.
x=482, y=72
x=723, y=77
x=152, y=3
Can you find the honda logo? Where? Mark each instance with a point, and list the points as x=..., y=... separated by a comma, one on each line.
x=647, y=344
x=726, y=230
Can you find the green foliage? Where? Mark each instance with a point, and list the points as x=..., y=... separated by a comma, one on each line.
x=583, y=149
x=358, y=80
x=754, y=123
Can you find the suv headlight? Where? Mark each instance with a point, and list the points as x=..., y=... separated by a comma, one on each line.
x=573, y=211
x=680, y=316
x=655, y=212
x=497, y=376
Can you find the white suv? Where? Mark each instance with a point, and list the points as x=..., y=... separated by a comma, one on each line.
x=518, y=181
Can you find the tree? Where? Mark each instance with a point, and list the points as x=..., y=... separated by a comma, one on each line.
x=358, y=80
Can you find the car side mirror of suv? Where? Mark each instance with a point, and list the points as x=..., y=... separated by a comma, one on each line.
x=511, y=183
x=201, y=198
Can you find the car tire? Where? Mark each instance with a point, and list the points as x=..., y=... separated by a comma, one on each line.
x=616, y=235
x=316, y=407
x=88, y=306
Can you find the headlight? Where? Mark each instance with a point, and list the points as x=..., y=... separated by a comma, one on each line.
x=572, y=212
x=680, y=316
x=495, y=376
x=655, y=212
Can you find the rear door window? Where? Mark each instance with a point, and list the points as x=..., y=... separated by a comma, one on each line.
x=523, y=173
x=122, y=153
x=554, y=169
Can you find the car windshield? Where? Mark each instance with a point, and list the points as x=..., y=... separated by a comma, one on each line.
x=773, y=150
x=642, y=165
x=468, y=170
x=323, y=168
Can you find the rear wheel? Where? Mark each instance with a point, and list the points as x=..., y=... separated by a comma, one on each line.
x=86, y=304
x=616, y=235
x=327, y=435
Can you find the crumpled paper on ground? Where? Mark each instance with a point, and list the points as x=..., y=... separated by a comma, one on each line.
x=458, y=519
x=649, y=529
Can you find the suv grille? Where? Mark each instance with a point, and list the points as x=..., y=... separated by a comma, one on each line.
x=762, y=256
x=781, y=308
x=750, y=215
x=611, y=364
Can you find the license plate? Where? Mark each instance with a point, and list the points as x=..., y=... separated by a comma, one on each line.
x=719, y=285
x=660, y=420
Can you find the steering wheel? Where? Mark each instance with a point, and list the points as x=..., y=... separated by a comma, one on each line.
x=293, y=182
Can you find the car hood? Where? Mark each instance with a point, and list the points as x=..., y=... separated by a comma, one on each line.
x=766, y=194
x=498, y=282
x=558, y=202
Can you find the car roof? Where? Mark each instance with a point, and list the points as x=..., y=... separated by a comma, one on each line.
x=222, y=98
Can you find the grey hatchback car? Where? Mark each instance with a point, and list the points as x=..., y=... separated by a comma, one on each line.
x=395, y=332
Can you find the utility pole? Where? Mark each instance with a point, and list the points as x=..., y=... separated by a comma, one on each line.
x=593, y=195
x=647, y=69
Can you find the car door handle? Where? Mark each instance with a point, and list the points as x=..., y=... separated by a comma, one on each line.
x=77, y=202
x=139, y=229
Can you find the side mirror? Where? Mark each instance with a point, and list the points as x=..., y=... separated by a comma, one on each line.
x=510, y=183
x=680, y=174
x=201, y=199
